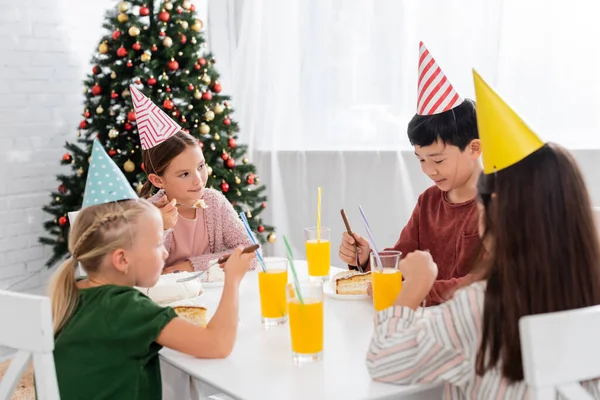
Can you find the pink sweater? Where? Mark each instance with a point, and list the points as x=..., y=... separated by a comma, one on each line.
x=225, y=229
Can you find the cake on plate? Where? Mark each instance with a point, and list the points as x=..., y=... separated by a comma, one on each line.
x=351, y=282
x=214, y=274
x=195, y=314
x=167, y=289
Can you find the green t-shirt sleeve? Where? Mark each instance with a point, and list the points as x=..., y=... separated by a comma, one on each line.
x=136, y=321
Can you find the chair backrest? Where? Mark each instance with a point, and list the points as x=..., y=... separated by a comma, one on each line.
x=27, y=327
x=72, y=217
x=559, y=351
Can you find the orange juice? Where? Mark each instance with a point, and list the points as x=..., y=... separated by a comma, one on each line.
x=306, y=325
x=317, y=257
x=386, y=287
x=271, y=287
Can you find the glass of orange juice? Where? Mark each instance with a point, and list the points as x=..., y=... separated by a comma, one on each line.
x=317, y=253
x=387, y=282
x=306, y=321
x=271, y=287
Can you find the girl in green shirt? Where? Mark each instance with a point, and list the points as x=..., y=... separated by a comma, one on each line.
x=108, y=333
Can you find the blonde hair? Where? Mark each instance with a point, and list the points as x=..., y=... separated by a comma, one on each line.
x=99, y=230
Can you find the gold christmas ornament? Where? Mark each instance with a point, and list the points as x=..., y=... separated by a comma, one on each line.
x=256, y=180
x=138, y=188
x=209, y=169
x=186, y=4
x=206, y=79
x=123, y=6
x=80, y=171
x=167, y=42
x=103, y=48
x=204, y=129
x=99, y=110
x=209, y=115
x=245, y=160
x=113, y=133
x=89, y=160
x=217, y=136
x=197, y=94
x=197, y=26
x=213, y=147
x=125, y=93
x=129, y=166
x=184, y=24
x=190, y=107
x=193, y=40
x=123, y=18
x=248, y=214
x=271, y=237
x=237, y=180
x=134, y=31
x=218, y=109
x=113, y=75
x=238, y=193
x=145, y=57
x=168, y=6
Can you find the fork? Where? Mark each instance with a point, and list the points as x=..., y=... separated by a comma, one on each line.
x=199, y=274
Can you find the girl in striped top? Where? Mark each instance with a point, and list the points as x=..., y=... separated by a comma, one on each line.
x=541, y=255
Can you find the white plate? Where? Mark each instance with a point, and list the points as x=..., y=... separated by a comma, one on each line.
x=210, y=285
x=329, y=291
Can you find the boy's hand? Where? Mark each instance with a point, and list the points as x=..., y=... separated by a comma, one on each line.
x=237, y=265
x=419, y=272
x=168, y=212
x=347, y=253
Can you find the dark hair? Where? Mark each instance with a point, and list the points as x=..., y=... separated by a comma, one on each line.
x=456, y=127
x=157, y=159
x=544, y=254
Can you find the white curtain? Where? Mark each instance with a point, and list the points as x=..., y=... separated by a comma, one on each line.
x=324, y=89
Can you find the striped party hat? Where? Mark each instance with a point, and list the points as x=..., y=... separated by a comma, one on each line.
x=154, y=125
x=435, y=92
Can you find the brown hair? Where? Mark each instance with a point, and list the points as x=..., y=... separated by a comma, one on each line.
x=157, y=159
x=97, y=231
x=544, y=254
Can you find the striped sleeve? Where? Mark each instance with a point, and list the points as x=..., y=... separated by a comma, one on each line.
x=439, y=347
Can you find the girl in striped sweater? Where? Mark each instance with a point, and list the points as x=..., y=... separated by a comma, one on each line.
x=541, y=255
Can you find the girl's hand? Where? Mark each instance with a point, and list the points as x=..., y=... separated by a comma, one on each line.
x=237, y=265
x=419, y=272
x=168, y=212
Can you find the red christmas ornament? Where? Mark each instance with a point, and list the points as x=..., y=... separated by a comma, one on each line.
x=96, y=70
x=179, y=10
x=264, y=205
x=261, y=229
x=216, y=87
x=227, y=121
x=207, y=96
x=168, y=89
x=131, y=115
x=96, y=90
x=143, y=167
x=224, y=187
x=129, y=64
x=186, y=130
x=144, y=11
x=66, y=157
x=122, y=52
x=197, y=67
x=164, y=16
x=62, y=221
x=232, y=143
x=112, y=152
x=62, y=189
x=83, y=124
x=168, y=104
x=250, y=180
x=154, y=48
x=225, y=156
x=190, y=87
x=86, y=114
x=183, y=120
x=230, y=163
x=114, y=95
x=202, y=61
x=173, y=65
x=192, y=8
x=177, y=113
x=183, y=39
x=116, y=34
x=151, y=81
x=136, y=46
x=128, y=126
x=162, y=34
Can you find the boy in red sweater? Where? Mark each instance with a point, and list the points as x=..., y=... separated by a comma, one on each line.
x=446, y=142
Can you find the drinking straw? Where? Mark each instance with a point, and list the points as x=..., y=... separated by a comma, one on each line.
x=247, y=226
x=291, y=260
x=319, y=215
x=370, y=236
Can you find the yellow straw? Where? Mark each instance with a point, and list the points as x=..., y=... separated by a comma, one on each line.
x=319, y=216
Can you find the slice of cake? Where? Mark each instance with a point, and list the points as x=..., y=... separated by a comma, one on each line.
x=167, y=289
x=351, y=282
x=214, y=274
x=195, y=314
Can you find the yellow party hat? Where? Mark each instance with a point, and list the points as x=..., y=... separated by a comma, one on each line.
x=505, y=138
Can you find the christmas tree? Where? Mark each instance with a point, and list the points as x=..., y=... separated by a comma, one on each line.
x=160, y=50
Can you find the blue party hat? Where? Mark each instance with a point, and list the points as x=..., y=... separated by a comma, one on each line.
x=105, y=181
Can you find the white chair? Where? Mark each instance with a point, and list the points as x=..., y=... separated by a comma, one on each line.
x=27, y=327
x=560, y=350
x=72, y=217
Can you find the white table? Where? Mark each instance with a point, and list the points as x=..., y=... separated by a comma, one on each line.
x=261, y=366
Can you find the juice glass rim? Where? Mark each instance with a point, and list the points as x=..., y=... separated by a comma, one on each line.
x=273, y=260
